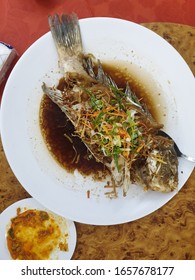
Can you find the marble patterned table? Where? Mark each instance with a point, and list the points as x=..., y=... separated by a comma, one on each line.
x=168, y=233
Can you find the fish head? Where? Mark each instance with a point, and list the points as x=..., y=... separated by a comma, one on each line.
x=159, y=171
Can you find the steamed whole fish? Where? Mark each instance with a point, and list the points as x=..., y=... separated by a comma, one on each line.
x=115, y=127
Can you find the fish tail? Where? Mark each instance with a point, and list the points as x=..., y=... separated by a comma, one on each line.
x=66, y=35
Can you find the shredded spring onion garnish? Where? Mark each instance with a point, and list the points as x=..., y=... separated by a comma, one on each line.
x=116, y=130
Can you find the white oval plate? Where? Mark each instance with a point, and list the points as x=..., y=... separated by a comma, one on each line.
x=31, y=203
x=64, y=193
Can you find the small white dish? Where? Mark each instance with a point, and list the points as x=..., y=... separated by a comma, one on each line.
x=31, y=203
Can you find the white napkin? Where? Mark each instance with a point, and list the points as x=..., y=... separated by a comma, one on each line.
x=7, y=55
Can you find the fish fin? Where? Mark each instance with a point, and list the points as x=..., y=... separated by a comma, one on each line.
x=132, y=97
x=88, y=66
x=101, y=76
x=54, y=94
x=66, y=34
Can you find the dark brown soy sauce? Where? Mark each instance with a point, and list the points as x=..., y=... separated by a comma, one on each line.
x=59, y=135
